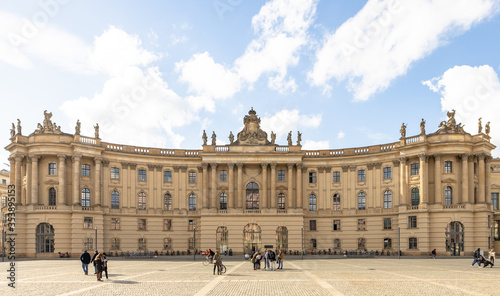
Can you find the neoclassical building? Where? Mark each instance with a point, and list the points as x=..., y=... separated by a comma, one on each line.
x=430, y=191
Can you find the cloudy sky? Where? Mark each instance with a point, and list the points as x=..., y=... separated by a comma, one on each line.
x=156, y=74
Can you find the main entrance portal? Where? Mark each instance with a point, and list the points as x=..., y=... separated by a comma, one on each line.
x=455, y=238
x=251, y=238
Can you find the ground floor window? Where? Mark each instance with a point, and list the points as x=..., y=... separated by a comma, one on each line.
x=167, y=244
x=361, y=243
x=313, y=243
x=88, y=243
x=455, y=238
x=251, y=238
x=115, y=244
x=44, y=238
x=222, y=239
x=142, y=244
x=337, y=244
x=412, y=243
x=282, y=238
x=387, y=243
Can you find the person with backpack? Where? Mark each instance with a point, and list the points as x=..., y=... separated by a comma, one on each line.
x=272, y=260
x=434, y=253
x=477, y=257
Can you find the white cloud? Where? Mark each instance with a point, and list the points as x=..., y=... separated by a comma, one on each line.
x=289, y=120
x=281, y=31
x=473, y=92
x=315, y=145
x=340, y=135
x=385, y=37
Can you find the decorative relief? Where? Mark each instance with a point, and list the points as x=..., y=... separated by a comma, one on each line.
x=133, y=165
x=345, y=168
x=252, y=134
x=451, y=126
x=48, y=127
x=183, y=169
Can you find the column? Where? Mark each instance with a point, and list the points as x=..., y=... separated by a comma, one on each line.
x=320, y=196
x=97, y=181
x=150, y=180
x=264, y=204
x=204, y=185
x=76, y=179
x=175, y=181
x=488, y=180
x=370, y=196
x=396, y=177
x=353, y=179
x=230, y=198
x=299, y=197
x=18, y=180
x=158, y=192
x=471, y=178
x=132, y=181
x=213, y=197
x=274, y=198
x=28, y=180
x=61, y=172
x=22, y=201
x=344, y=179
x=239, y=196
x=184, y=196
x=124, y=195
x=34, y=177
x=378, y=181
x=465, y=179
x=106, y=194
x=481, y=179
x=290, y=186
x=402, y=181
x=328, y=199
x=424, y=198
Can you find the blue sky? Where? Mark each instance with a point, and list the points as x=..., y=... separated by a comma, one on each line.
x=156, y=74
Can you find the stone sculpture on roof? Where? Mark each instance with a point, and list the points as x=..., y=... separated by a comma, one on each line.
x=450, y=126
x=252, y=134
x=48, y=127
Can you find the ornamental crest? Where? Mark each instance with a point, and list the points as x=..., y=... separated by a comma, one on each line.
x=252, y=134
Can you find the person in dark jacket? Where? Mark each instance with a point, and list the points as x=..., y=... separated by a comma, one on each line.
x=105, y=264
x=98, y=263
x=217, y=262
x=477, y=257
x=85, y=258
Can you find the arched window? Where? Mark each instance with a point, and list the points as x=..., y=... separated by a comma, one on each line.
x=85, y=197
x=167, y=202
x=361, y=201
x=222, y=239
x=44, y=238
x=362, y=243
x=312, y=202
x=192, y=202
x=252, y=198
x=223, y=201
x=115, y=199
x=455, y=238
x=282, y=238
x=336, y=202
x=387, y=199
x=141, y=201
x=251, y=238
x=415, y=197
x=52, y=196
x=448, y=196
x=281, y=201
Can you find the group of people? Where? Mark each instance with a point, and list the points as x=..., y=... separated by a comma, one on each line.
x=100, y=263
x=269, y=258
x=480, y=259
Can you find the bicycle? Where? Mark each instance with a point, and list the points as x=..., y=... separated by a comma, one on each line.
x=222, y=268
x=207, y=261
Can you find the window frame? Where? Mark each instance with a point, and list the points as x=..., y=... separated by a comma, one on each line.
x=312, y=177
x=142, y=175
x=52, y=169
x=336, y=177
x=387, y=172
x=52, y=196
x=387, y=199
x=85, y=197
x=88, y=222
x=337, y=202
x=415, y=169
x=167, y=224
x=388, y=223
x=85, y=171
x=412, y=243
x=281, y=201
x=142, y=200
x=115, y=244
x=448, y=167
x=115, y=199
x=415, y=197
x=312, y=225
x=223, y=175
x=115, y=173
x=494, y=200
x=337, y=225
x=281, y=176
x=191, y=224
x=361, y=175
x=412, y=222
x=361, y=201
x=167, y=176
x=142, y=224
x=312, y=202
x=115, y=223
x=192, y=202
x=223, y=201
x=192, y=177
x=167, y=201
x=361, y=224
x=387, y=243
x=448, y=195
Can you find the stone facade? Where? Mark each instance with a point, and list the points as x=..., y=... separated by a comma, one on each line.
x=433, y=191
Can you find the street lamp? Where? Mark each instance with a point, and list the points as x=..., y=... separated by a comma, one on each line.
x=96, y=238
x=194, y=242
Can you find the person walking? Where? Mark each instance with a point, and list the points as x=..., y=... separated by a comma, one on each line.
x=266, y=260
x=434, y=253
x=85, y=258
x=217, y=262
x=98, y=264
x=491, y=256
x=272, y=260
x=477, y=257
x=281, y=256
x=93, y=260
x=105, y=264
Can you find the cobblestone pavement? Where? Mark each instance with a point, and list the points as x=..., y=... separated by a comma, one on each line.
x=311, y=276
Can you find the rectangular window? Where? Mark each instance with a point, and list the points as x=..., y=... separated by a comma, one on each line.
x=192, y=202
x=412, y=243
x=361, y=243
x=223, y=201
x=88, y=243
x=167, y=224
x=312, y=177
x=192, y=177
x=412, y=221
x=141, y=224
x=191, y=225
x=448, y=167
x=52, y=169
x=312, y=224
x=387, y=243
x=415, y=169
x=336, y=177
x=361, y=175
x=191, y=243
x=336, y=225
x=115, y=173
x=281, y=175
x=361, y=224
x=115, y=223
x=387, y=173
x=88, y=222
x=387, y=223
x=115, y=244
x=223, y=175
x=142, y=244
x=167, y=244
x=4, y=182
x=142, y=175
x=167, y=176
x=281, y=201
x=494, y=200
x=85, y=170
x=312, y=202
x=337, y=244
x=336, y=202
x=4, y=201
x=313, y=243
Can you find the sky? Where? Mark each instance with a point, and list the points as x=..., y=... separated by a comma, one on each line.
x=157, y=73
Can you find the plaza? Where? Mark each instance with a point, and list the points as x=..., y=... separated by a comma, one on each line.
x=315, y=275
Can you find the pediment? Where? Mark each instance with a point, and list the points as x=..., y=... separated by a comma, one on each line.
x=51, y=182
x=448, y=180
x=281, y=187
x=495, y=186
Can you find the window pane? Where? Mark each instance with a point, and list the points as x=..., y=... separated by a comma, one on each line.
x=361, y=175
x=336, y=177
x=142, y=175
x=387, y=173
x=361, y=201
x=115, y=173
x=312, y=202
x=336, y=202
x=167, y=176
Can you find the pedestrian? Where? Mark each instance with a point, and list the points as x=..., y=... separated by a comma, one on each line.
x=477, y=257
x=105, y=264
x=85, y=258
x=272, y=259
x=266, y=259
x=217, y=262
x=98, y=264
x=93, y=260
x=434, y=254
x=281, y=256
x=491, y=256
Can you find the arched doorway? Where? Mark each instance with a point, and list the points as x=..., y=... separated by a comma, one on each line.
x=251, y=238
x=222, y=239
x=44, y=238
x=455, y=238
x=282, y=238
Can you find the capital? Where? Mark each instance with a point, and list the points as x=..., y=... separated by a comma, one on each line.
x=62, y=157
x=321, y=169
x=183, y=168
x=437, y=157
x=176, y=168
x=133, y=165
x=352, y=167
x=304, y=169
x=378, y=165
x=200, y=169
x=213, y=166
x=264, y=166
x=481, y=156
x=422, y=157
x=230, y=165
x=273, y=165
x=124, y=165
x=403, y=160
x=290, y=165
x=20, y=157
x=97, y=160
x=204, y=166
x=395, y=163
x=76, y=157
x=345, y=168
x=328, y=169
x=370, y=166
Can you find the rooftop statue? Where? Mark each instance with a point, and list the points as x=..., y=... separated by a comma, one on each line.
x=273, y=137
x=252, y=134
x=450, y=126
x=402, y=130
x=231, y=137
x=204, y=137
x=48, y=127
x=299, y=138
x=214, y=138
x=13, y=131
x=479, y=126
x=487, y=129
x=19, y=129
x=96, y=129
x=77, y=127
x=422, y=127
x=289, y=138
